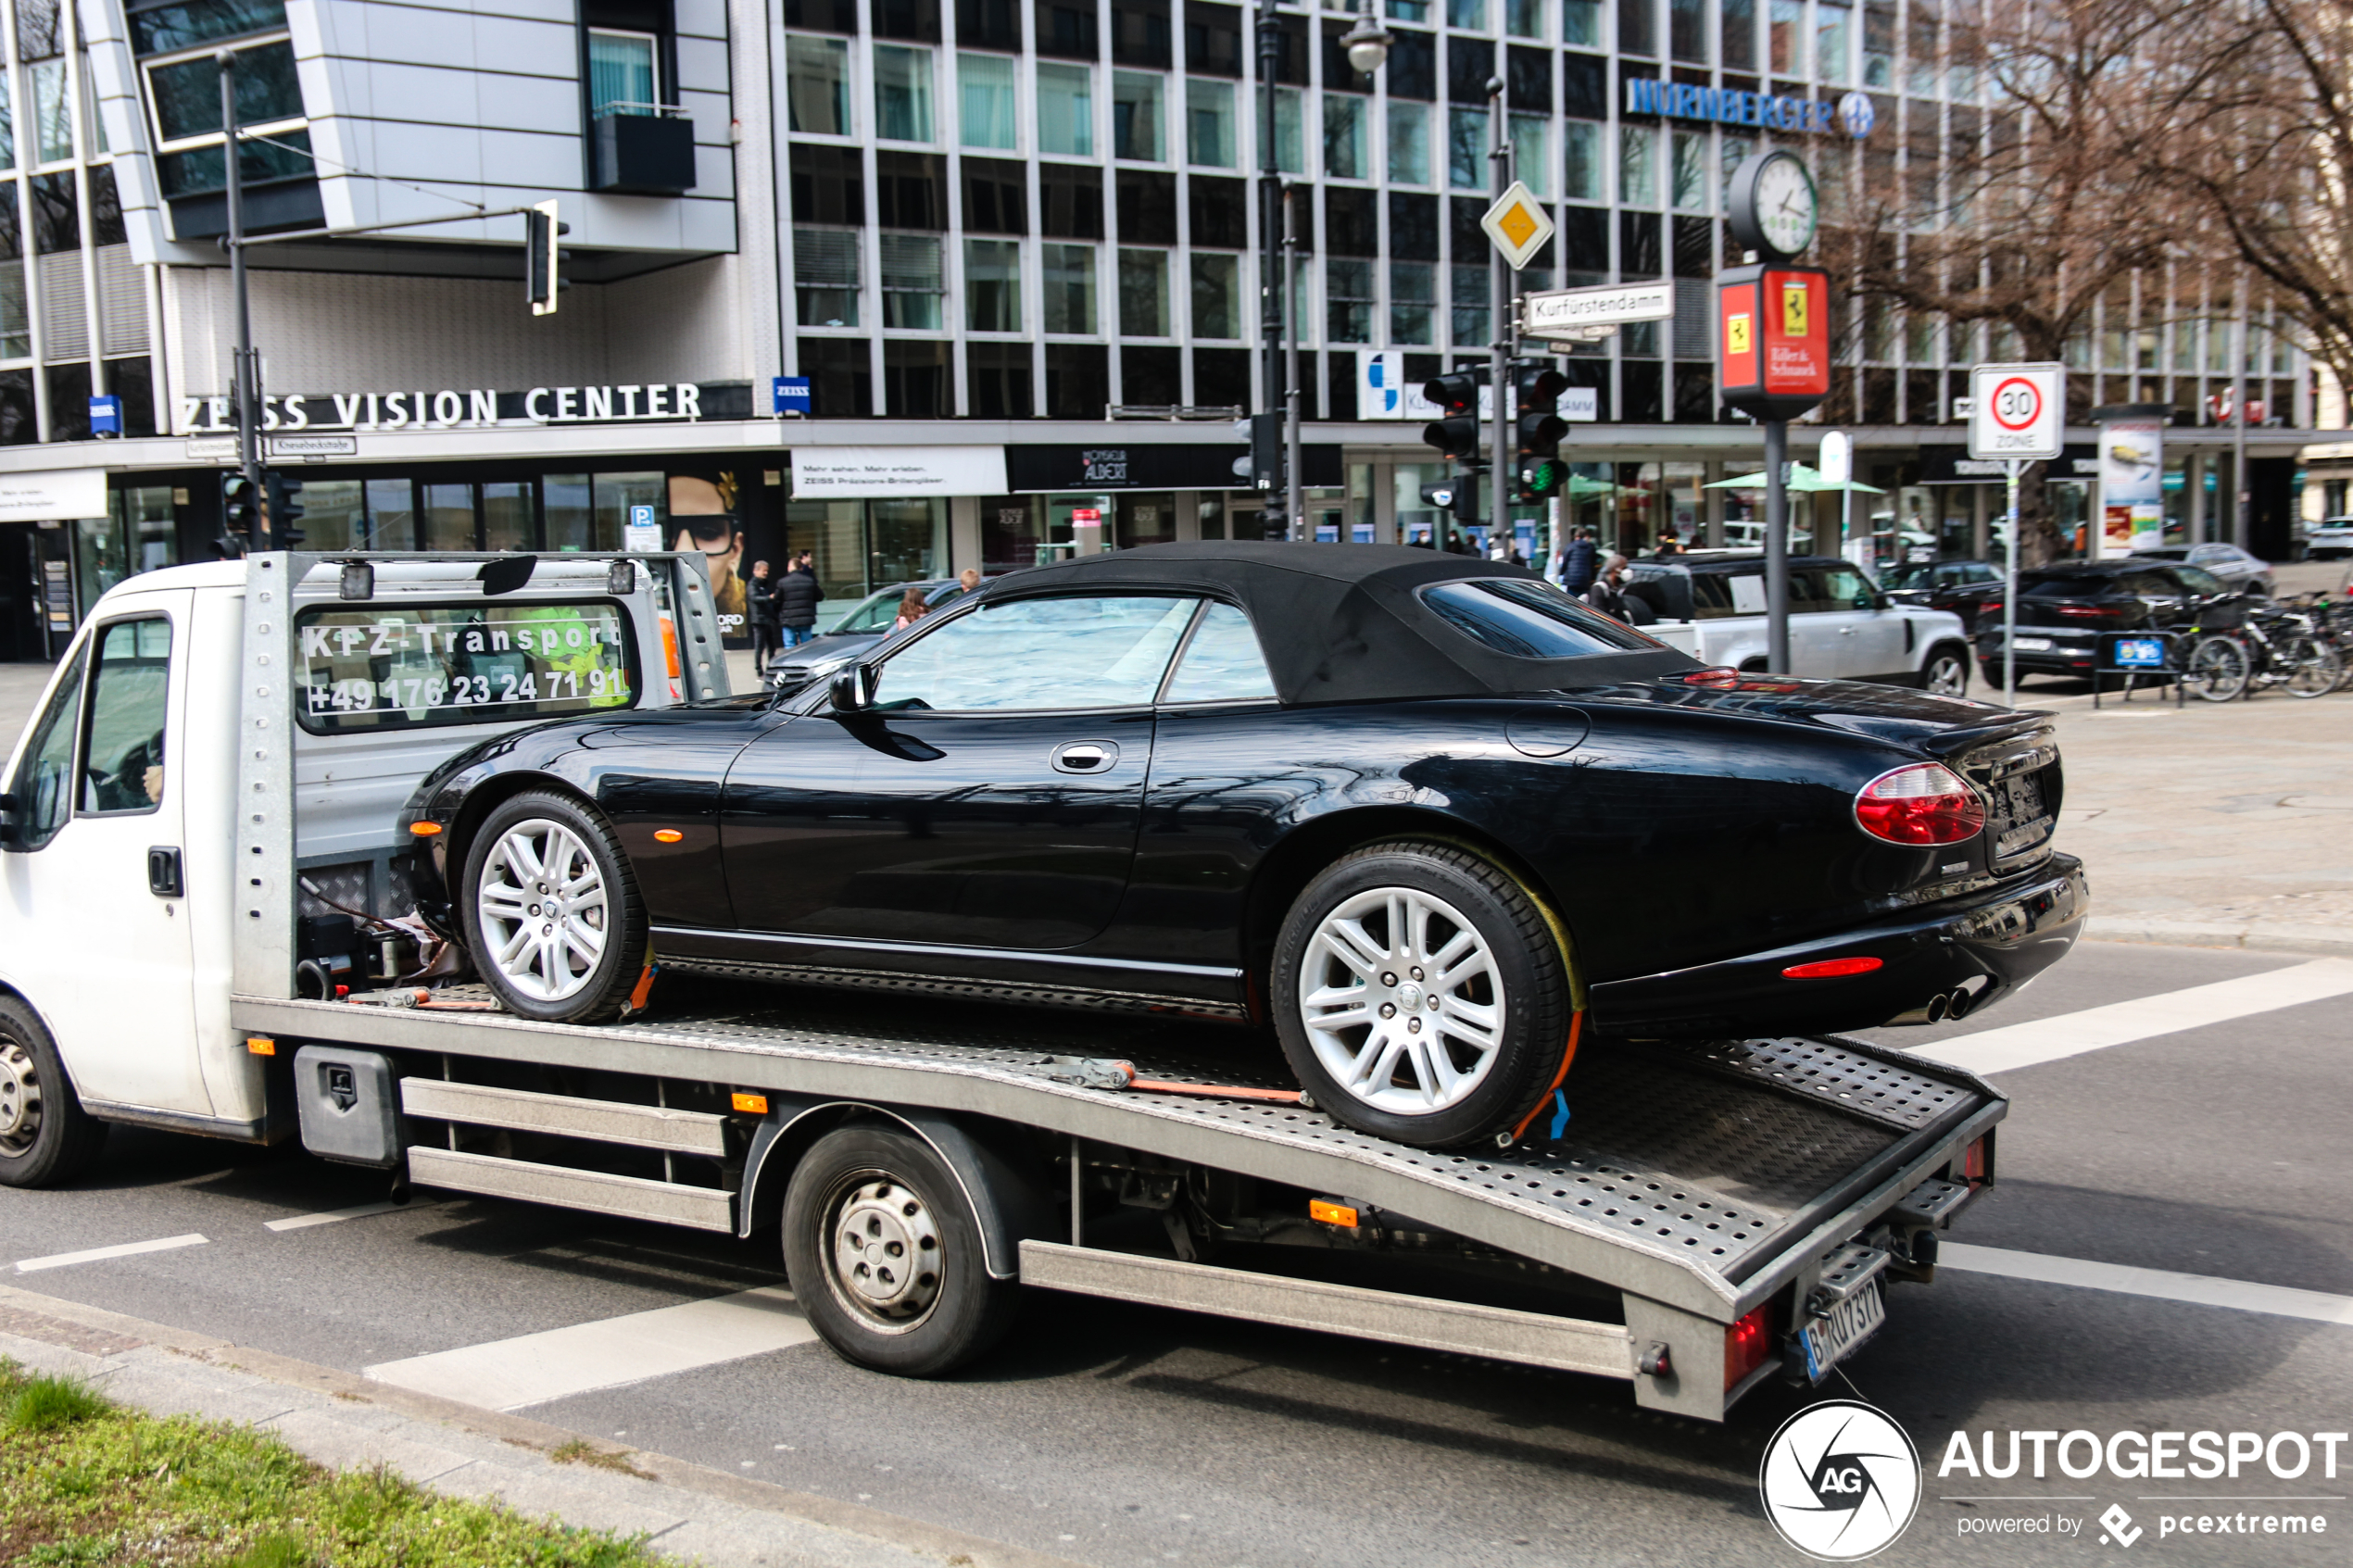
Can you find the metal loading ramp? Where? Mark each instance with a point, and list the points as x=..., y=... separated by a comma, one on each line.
x=1700, y=1176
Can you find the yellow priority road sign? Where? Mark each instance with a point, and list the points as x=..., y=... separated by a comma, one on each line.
x=1517, y=225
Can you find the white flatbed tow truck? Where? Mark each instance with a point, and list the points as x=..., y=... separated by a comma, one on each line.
x=1708, y=1216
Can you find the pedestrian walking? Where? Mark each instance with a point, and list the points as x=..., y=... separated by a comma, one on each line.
x=1670, y=545
x=1578, y=562
x=1609, y=592
x=759, y=598
x=794, y=597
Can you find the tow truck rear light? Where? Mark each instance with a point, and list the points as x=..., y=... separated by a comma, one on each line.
x=1826, y=968
x=1326, y=1211
x=1923, y=803
x=670, y=647
x=1748, y=1343
x=1975, y=1164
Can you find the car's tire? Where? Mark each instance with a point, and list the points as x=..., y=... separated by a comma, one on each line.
x=46, y=1139
x=1945, y=672
x=1498, y=1015
x=864, y=1201
x=581, y=966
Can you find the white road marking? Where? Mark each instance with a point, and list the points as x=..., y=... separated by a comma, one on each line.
x=99, y=1254
x=510, y=1373
x=2199, y=1290
x=2118, y=1023
x=304, y=1222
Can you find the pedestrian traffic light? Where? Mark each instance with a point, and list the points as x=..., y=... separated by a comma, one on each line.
x=1266, y=451
x=280, y=493
x=1541, y=479
x=240, y=513
x=1441, y=494
x=1455, y=432
x=1537, y=425
x=541, y=281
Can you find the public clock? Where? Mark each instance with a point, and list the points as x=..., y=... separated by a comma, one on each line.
x=1774, y=207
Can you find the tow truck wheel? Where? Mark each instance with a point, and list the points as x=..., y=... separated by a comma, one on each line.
x=886, y=1258
x=47, y=1138
x=551, y=911
x=1421, y=993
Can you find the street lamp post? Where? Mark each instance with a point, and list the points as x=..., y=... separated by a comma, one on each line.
x=1499, y=301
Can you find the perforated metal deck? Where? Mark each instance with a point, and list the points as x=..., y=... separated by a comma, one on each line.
x=1689, y=1173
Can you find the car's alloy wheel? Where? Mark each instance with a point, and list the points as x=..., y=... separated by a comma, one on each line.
x=45, y=1138
x=554, y=921
x=884, y=1256
x=1945, y=674
x=1421, y=993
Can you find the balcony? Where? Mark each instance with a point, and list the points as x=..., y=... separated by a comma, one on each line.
x=642, y=150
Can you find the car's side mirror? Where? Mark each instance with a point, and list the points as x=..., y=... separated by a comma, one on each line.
x=853, y=689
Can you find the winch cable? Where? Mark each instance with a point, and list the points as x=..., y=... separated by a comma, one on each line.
x=1553, y=1091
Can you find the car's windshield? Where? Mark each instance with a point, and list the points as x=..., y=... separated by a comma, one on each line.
x=876, y=612
x=1913, y=574
x=1532, y=619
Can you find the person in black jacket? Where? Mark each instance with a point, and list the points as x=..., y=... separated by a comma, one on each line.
x=796, y=597
x=1578, y=560
x=759, y=597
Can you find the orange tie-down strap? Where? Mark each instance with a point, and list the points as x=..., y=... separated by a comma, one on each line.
x=1575, y=1026
x=1208, y=1091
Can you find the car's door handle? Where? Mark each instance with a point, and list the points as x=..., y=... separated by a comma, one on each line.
x=1087, y=756
x=163, y=872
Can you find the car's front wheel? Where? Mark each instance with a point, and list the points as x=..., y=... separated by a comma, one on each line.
x=47, y=1138
x=1946, y=672
x=1422, y=994
x=551, y=909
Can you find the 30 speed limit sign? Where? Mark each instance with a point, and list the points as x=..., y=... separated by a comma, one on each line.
x=2017, y=411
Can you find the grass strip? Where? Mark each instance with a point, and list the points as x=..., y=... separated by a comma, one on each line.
x=87, y=1483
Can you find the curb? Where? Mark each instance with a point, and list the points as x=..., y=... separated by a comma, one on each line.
x=2323, y=941
x=97, y=1333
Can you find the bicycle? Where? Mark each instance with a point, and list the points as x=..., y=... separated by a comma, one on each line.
x=2269, y=646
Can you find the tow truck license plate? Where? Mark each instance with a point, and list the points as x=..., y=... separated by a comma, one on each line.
x=1830, y=1340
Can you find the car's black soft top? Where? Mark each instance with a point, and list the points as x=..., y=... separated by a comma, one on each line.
x=1341, y=622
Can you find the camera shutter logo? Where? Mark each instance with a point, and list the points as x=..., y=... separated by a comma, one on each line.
x=1840, y=1481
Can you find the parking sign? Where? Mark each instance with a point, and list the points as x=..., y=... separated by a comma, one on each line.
x=2018, y=412
x=643, y=531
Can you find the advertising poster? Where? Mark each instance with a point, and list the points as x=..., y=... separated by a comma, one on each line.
x=2131, y=483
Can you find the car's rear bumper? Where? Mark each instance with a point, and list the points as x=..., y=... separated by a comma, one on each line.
x=2071, y=653
x=1986, y=947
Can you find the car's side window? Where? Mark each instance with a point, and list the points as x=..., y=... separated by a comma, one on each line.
x=1223, y=663
x=122, y=761
x=2200, y=580
x=1842, y=587
x=1039, y=656
x=43, y=785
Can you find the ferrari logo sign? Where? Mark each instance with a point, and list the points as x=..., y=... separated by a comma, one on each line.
x=1517, y=225
x=1736, y=335
x=1794, y=317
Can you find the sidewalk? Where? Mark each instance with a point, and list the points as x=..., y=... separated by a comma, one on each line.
x=342, y=1421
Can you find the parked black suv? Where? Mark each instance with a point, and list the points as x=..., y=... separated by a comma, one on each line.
x=1962, y=587
x=2062, y=610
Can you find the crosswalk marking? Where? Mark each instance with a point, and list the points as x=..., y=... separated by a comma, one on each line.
x=2073, y=1033
x=534, y=1368
x=99, y=1254
x=2202, y=1291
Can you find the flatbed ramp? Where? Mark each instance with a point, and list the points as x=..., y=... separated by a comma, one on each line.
x=1701, y=1181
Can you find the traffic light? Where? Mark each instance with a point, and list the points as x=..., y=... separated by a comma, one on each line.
x=1266, y=451
x=1537, y=426
x=240, y=513
x=1542, y=478
x=541, y=281
x=1455, y=432
x=285, y=509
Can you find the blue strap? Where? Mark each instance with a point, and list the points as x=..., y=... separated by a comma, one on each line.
x=1560, y=1115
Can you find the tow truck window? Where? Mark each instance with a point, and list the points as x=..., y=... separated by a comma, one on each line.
x=43, y=785
x=122, y=761
x=383, y=667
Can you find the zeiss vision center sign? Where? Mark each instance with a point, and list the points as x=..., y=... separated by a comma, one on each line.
x=1851, y=115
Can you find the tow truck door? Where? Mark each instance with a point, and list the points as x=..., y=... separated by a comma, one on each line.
x=94, y=879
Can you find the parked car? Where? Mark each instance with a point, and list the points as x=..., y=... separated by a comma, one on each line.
x=1960, y=587
x=1840, y=626
x=2062, y=610
x=1424, y=815
x=2329, y=538
x=868, y=622
x=2232, y=565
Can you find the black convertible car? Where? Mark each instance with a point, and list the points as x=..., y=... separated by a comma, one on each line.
x=1426, y=817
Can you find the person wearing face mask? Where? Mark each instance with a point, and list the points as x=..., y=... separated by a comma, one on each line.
x=1609, y=592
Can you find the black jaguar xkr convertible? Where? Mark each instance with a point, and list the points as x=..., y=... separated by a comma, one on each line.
x=1426, y=817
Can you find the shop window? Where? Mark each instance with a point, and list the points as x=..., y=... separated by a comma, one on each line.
x=915, y=381
x=1150, y=376
x=1143, y=518
x=1147, y=207
x=1220, y=211
x=1221, y=378
x=1010, y=530
x=392, y=514
x=1138, y=116
x=1139, y=32
x=334, y=514
x=449, y=517
x=615, y=494
x=508, y=523
x=1077, y=381
x=984, y=102
x=817, y=86
x=1143, y=299
x=1070, y=202
x=997, y=380
x=907, y=541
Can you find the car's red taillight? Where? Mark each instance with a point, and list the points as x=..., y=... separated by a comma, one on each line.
x=1830, y=969
x=1748, y=1343
x=1924, y=803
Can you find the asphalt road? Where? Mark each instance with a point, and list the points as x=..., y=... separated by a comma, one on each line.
x=1129, y=1435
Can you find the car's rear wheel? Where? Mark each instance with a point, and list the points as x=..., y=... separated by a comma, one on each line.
x=886, y=1258
x=551, y=909
x=47, y=1138
x=1422, y=994
x=1946, y=672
